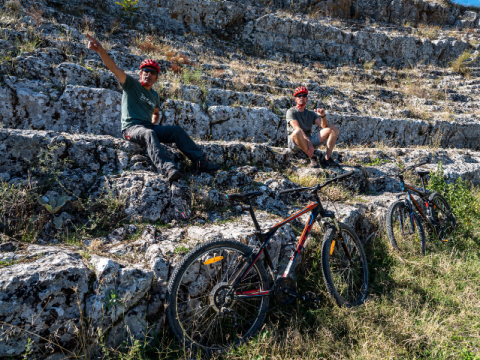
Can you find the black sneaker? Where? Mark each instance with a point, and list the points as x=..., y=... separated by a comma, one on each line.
x=314, y=162
x=330, y=162
x=205, y=166
x=173, y=175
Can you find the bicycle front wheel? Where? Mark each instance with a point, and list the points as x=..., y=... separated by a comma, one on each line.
x=203, y=310
x=405, y=231
x=344, y=266
x=442, y=215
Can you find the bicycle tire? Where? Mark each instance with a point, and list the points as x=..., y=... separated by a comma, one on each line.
x=334, y=258
x=393, y=232
x=177, y=282
x=449, y=217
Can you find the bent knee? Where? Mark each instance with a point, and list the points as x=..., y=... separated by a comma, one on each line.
x=334, y=128
x=149, y=133
x=296, y=133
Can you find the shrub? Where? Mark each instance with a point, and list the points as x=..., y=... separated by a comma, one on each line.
x=368, y=65
x=13, y=6
x=460, y=195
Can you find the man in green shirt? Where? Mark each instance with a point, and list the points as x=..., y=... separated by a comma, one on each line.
x=300, y=122
x=141, y=114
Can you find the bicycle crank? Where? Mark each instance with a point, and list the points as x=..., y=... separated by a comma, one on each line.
x=285, y=290
x=286, y=293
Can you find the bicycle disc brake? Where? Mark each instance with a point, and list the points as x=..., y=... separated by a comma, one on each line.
x=284, y=287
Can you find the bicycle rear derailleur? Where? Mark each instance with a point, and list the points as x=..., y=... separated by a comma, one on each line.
x=286, y=293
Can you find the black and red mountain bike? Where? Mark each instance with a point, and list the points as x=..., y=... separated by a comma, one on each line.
x=219, y=294
x=405, y=216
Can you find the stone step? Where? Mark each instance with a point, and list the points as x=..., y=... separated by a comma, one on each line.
x=25, y=105
x=89, y=155
x=302, y=37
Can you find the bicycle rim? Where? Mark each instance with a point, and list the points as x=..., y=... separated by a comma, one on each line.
x=206, y=318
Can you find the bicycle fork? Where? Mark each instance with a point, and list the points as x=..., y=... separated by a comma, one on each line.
x=342, y=241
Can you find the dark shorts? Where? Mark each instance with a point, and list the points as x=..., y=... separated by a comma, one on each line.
x=314, y=139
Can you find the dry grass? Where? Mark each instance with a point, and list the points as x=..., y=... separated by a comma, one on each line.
x=414, y=88
x=148, y=45
x=339, y=8
x=428, y=31
x=460, y=64
x=35, y=12
x=241, y=81
x=178, y=61
x=417, y=112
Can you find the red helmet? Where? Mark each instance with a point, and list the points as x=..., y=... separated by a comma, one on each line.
x=300, y=90
x=150, y=63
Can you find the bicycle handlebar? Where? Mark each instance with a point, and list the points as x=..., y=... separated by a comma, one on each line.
x=414, y=166
x=317, y=187
x=401, y=172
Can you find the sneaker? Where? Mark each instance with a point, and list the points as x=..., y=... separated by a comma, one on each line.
x=314, y=162
x=205, y=166
x=174, y=175
x=330, y=162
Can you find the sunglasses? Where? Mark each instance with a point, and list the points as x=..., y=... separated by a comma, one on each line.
x=302, y=95
x=151, y=71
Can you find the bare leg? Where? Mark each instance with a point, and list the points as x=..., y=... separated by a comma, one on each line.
x=329, y=134
x=298, y=138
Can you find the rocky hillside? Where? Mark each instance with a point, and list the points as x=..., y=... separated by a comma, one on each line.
x=84, y=215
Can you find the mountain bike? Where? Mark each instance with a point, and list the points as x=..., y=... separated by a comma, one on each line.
x=219, y=294
x=404, y=217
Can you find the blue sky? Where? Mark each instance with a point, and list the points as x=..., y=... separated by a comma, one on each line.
x=468, y=2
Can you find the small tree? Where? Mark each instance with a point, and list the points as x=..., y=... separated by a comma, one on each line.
x=129, y=7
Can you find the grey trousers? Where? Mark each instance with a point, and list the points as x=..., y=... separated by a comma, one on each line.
x=151, y=136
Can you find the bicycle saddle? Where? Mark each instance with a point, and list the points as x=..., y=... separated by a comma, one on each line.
x=244, y=197
x=423, y=173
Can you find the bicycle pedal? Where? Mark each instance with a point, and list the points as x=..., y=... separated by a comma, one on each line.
x=311, y=300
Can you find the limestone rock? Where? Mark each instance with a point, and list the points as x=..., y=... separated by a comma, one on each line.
x=146, y=195
x=240, y=123
x=187, y=115
x=116, y=289
x=42, y=297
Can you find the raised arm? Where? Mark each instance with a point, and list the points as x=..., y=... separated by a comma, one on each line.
x=322, y=119
x=107, y=60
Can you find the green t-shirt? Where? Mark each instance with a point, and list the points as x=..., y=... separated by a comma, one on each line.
x=138, y=103
x=305, y=118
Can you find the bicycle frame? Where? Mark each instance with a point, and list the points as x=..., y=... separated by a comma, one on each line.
x=315, y=208
x=408, y=189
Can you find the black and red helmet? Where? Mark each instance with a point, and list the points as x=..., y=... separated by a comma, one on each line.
x=150, y=63
x=300, y=90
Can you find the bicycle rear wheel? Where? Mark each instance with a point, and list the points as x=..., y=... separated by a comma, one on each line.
x=203, y=310
x=405, y=231
x=443, y=215
x=344, y=266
